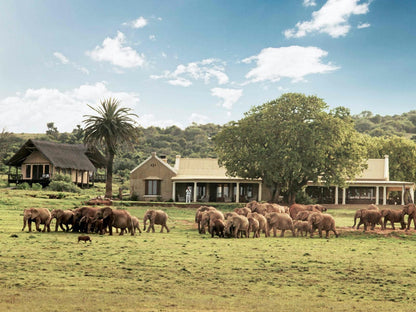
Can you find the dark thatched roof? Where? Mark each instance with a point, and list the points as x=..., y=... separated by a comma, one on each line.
x=66, y=156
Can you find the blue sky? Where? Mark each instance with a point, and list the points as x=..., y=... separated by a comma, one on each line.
x=178, y=62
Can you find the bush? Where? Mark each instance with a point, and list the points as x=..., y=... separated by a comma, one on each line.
x=62, y=177
x=303, y=198
x=36, y=186
x=62, y=186
x=23, y=186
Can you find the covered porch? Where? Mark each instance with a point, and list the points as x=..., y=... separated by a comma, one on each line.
x=365, y=192
x=217, y=190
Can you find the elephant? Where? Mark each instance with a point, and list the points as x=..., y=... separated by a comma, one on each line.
x=359, y=212
x=322, y=222
x=262, y=222
x=301, y=226
x=136, y=225
x=230, y=214
x=218, y=228
x=39, y=216
x=410, y=209
x=242, y=211
x=198, y=215
x=208, y=219
x=296, y=208
x=393, y=216
x=236, y=225
x=155, y=217
x=253, y=226
x=367, y=217
x=263, y=208
x=85, y=224
x=303, y=215
x=63, y=217
x=118, y=218
x=280, y=221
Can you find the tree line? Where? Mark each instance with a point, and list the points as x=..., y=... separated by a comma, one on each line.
x=286, y=142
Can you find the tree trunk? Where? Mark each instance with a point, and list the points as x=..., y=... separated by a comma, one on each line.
x=109, y=176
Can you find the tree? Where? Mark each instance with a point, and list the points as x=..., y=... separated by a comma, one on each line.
x=401, y=152
x=52, y=131
x=112, y=126
x=290, y=141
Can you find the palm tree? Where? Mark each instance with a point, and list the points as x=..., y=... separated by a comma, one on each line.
x=112, y=126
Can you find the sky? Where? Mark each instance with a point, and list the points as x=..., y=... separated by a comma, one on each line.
x=178, y=62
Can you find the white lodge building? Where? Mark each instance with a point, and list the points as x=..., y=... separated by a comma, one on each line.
x=156, y=180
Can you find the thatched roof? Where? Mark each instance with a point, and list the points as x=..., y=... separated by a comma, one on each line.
x=66, y=156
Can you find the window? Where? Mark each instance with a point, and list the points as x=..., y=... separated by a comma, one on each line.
x=28, y=170
x=152, y=187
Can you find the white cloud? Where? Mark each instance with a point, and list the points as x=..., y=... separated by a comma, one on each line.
x=198, y=119
x=363, y=25
x=64, y=60
x=114, y=51
x=36, y=107
x=152, y=37
x=292, y=62
x=137, y=23
x=204, y=70
x=308, y=3
x=180, y=82
x=61, y=57
x=148, y=120
x=229, y=96
x=331, y=19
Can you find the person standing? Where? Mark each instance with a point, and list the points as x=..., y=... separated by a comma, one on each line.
x=188, y=194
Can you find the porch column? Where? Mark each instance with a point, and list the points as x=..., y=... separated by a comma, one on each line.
x=336, y=195
x=377, y=195
x=412, y=194
x=237, y=193
x=195, y=191
x=384, y=195
x=344, y=196
x=260, y=191
x=403, y=190
x=174, y=191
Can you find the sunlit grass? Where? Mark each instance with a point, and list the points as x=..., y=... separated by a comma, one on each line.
x=183, y=270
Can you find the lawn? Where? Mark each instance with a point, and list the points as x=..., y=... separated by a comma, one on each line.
x=185, y=271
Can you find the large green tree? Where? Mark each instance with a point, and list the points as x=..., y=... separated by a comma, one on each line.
x=290, y=141
x=112, y=127
x=401, y=152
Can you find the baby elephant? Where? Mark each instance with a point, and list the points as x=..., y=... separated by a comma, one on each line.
x=301, y=226
x=84, y=238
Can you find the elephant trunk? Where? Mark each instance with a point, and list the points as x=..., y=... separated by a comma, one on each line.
x=144, y=223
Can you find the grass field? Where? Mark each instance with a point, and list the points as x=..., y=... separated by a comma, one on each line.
x=185, y=271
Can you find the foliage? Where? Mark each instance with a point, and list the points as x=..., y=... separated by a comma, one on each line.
x=62, y=177
x=111, y=127
x=23, y=186
x=403, y=125
x=36, y=186
x=401, y=152
x=62, y=186
x=290, y=141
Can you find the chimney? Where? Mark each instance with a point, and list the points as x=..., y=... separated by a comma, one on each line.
x=177, y=161
x=163, y=157
x=386, y=168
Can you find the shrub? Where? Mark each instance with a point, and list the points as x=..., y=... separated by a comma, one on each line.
x=23, y=186
x=36, y=186
x=62, y=186
x=303, y=198
x=62, y=177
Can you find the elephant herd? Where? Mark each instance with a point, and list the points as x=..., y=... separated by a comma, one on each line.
x=372, y=215
x=259, y=218
x=93, y=220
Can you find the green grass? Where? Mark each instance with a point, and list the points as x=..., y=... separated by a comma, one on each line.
x=185, y=271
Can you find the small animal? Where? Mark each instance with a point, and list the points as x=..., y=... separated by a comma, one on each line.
x=84, y=238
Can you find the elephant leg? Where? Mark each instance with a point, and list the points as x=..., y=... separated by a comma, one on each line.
x=320, y=232
x=282, y=233
x=335, y=232
x=392, y=224
x=56, y=225
x=236, y=230
x=161, y=229
x=167, y=229
x=274, y=231
x=326, y=233
x=24, y=224
x=384, y=225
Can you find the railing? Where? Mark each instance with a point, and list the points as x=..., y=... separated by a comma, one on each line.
x=99, y=177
